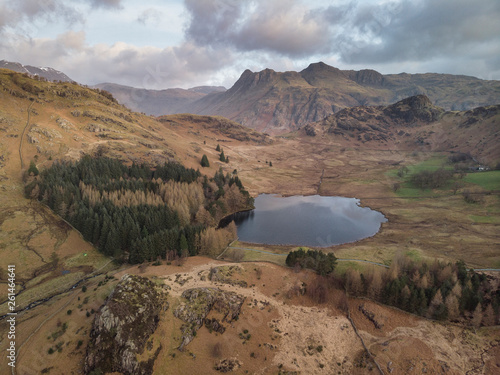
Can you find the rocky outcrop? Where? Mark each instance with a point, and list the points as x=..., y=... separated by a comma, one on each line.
x=310, y=131
x=228, y=365
x=379, y=123
x=199, y=303
x=414, y=109
x=223, y=274
x=479, y=114
x=122, y=328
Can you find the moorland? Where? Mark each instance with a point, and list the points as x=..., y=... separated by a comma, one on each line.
x=433, y=173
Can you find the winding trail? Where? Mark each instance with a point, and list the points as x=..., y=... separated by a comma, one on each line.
x=22, y=135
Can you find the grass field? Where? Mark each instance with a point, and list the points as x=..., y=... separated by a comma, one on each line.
x=489, y=180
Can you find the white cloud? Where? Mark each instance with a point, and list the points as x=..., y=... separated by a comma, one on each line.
x=144, y=44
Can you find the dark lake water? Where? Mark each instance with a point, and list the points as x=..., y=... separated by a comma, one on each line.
x=307, y=221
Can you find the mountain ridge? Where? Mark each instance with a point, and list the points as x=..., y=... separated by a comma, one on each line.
x=278, y=102
x=48, y=73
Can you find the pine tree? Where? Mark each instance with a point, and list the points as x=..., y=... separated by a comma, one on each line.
x=33, y=169
x=183, y=245
x=222, y=157
x=217, y=148
x=204, y=161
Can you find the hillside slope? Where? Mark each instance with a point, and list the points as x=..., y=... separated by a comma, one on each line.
x=416, y=124
x=42, y=122
x=276, y=102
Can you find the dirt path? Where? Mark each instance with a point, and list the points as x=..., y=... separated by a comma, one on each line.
x=22, y=135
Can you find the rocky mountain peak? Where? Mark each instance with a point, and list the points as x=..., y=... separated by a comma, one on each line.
x=321, y=67
x=367, y=77
x=415, y=102
x=321, y=70
x=415, y=108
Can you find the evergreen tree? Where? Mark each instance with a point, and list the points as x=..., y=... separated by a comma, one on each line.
x=217, y=148
x=33, y=169
x=204, y=161
x=222, y=157
x=183, y=245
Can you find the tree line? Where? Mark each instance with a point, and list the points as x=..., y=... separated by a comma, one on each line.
x=438, y=290
x=140, y=213
x=442, y=291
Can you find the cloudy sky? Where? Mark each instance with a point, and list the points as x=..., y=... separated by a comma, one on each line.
x=185, y=43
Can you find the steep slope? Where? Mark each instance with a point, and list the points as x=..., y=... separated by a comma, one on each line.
x=157, y=102
x=276, y=102
x=45, y=72
x=273, y=102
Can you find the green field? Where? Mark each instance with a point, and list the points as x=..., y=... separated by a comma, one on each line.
x=489, y=180
x=407, y=190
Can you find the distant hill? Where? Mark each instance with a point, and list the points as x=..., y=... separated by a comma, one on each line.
x=414, y=124
x=275, y=102
x=158, y=102
x=45, y=72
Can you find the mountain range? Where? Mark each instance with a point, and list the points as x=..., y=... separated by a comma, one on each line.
x=45, y=72
x=276, y=102
x=158, y=102
x=280, y=102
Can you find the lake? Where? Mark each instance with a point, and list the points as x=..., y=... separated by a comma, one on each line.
x=306, y=221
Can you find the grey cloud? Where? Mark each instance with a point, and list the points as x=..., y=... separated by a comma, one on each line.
x=27, y=15
x=362, y=33
x=418, y=31
x=116, y=4
x=285, y=27
x=150, y=15
x=143, y=67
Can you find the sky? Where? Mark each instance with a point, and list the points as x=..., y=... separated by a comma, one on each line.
x=159, y=44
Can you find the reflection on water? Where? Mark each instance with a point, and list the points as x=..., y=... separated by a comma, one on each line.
x=306, y=221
